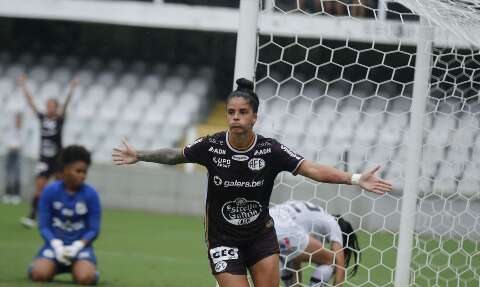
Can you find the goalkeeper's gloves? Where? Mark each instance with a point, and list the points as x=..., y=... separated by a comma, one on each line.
x=72, y=250
x=59, y=251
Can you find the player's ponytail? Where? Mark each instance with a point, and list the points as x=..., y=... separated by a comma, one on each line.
x=245, y=90
x=350, y=244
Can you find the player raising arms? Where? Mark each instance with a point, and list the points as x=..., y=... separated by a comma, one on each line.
x=51, y=124
x=69, y=221
x=242, y=167
x=302, y=230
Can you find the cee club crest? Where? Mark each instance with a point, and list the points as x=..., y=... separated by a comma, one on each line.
x=256, y=163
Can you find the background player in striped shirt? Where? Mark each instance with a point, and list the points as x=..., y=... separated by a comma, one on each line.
x=51, y=125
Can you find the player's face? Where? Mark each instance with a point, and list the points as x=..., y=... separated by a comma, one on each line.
x=240, y=115
x=75, y=174
x=52, y=108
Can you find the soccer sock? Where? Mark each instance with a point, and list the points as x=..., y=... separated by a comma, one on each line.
x=322, y=274
x=33, y=210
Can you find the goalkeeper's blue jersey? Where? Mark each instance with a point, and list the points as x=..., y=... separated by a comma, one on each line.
x=69, y=216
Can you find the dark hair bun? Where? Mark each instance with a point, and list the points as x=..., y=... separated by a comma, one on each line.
x=244, y=85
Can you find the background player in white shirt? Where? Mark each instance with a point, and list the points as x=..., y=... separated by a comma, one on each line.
x=304, y=230
x=14, y=142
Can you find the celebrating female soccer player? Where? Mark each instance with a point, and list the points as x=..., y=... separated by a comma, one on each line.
x=302, y=230
x=51, y=124
x=69, y=219
x=242, y=167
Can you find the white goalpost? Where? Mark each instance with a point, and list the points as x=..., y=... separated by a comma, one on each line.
x=352, y=85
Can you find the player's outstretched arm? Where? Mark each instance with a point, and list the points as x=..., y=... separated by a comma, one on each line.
x=322, y=173
x=73, y=85
x=128, y=155
x=22, y=82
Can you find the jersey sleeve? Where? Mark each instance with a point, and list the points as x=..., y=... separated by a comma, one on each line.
x=335, y=232
x=285, y=159
x=197, y=151
x=45, y=214
x=94, y=216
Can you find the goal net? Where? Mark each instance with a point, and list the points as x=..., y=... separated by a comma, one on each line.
x=337, y=84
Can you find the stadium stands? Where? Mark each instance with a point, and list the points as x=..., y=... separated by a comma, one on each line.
x=151, y=104
x=341, y=134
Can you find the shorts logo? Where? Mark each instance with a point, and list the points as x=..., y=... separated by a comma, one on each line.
x=241, y=211
x=48, y=253
x=220, y=266
x=221, y=162
x=217, y=150
x=263, y=151
x=83, y=255
x=240, y=157
x=223, y=253
x=217, y=180
x=256, y=164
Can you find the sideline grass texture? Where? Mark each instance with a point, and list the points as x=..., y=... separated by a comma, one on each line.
x=140, y=249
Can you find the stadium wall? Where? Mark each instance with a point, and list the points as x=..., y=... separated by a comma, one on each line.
x=171, y=190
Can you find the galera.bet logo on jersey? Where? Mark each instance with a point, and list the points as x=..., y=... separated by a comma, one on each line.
x=256, y=163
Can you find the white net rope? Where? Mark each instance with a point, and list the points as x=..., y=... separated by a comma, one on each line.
x=458, y=16
x=347, y=104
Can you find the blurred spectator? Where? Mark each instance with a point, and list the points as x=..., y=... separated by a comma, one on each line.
x=14, y=139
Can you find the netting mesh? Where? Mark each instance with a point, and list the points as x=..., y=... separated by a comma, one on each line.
x=347, y=104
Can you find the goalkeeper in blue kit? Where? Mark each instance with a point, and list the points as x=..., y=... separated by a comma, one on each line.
x=69, y=222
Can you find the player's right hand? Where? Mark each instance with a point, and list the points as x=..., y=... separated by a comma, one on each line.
x=59, y=251
x=127, y=155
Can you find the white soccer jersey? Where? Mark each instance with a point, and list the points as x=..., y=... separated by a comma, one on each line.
x=314, y=220
x=292, y=238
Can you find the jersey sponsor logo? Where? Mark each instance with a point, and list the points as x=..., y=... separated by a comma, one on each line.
x=241, y=211
x=215, y=141
x=220, y=266
x=217, y=150
x=81, y=208
x=240, y=157
x=223, y=253
x=199, y=140
x=290, y=153
x=263, y=151
x=256, y=163
x=67, y=212
x=263, y=144
x=67, y=226
x=217, y=180
x=221, y=162
x=57, y=205
x=237, y=183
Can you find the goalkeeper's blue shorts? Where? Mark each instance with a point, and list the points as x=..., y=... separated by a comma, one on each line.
x=87, y=253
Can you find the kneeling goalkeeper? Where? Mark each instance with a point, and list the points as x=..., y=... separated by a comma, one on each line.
x=69, y=222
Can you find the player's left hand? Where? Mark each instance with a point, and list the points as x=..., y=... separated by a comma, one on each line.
x=74, y=83
x=72, y=250
x=369, y=181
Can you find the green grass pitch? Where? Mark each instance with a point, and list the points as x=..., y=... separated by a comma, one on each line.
x=137, y=249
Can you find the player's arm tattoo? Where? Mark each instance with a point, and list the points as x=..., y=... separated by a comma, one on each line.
x=169, y=156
